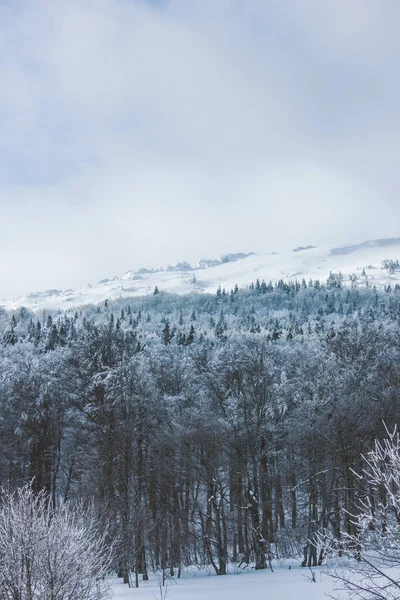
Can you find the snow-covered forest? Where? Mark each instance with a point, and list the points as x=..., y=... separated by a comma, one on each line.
x=205, y=429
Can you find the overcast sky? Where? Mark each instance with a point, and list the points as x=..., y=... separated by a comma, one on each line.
x=143, y=132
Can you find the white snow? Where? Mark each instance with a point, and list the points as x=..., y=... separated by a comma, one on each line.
x=282, y=584
x=231, y=269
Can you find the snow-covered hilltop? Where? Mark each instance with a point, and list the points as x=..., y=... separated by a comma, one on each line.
x=375, y=262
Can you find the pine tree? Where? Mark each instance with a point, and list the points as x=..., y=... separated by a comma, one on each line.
x=31, y=331
x=9, y=337
x=52, y=338
x=190, y=336
x=221, y=326
x=166, y=334
x=38, y=333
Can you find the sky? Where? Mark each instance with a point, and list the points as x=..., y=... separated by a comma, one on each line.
x=143, y=132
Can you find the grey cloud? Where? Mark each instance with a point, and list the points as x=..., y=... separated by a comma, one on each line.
x=135, y=133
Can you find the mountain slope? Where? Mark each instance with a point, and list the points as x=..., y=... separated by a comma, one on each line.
x=358, y=263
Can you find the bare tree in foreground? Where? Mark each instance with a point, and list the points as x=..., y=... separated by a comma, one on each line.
x=374, y=550
x=50, y=554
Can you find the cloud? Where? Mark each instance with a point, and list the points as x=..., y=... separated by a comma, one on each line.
x=134, y=133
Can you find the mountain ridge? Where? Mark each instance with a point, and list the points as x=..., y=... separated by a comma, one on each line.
x=372, y=262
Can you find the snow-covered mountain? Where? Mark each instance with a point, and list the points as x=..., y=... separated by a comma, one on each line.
x=375, y=262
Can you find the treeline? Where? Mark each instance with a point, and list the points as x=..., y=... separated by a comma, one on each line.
x=206, y=429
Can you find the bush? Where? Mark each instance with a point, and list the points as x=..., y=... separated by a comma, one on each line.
x=50, y=554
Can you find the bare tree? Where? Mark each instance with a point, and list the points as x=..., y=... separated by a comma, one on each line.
x=50, y=554
x=374, y=550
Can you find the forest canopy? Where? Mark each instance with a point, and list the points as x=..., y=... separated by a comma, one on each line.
x=207, y=429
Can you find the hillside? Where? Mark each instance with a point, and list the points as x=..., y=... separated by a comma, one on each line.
x=358, y=263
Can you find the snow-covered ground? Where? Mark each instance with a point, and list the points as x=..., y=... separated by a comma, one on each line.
x=283, y=584
x=357, y=262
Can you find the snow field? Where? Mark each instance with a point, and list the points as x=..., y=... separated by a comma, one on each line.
x=282, y=584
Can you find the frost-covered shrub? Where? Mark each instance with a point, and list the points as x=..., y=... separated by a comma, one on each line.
x=374, y=548
x=48, y=554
